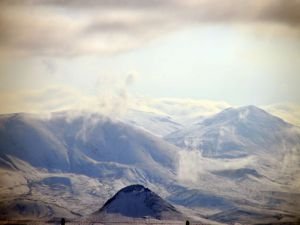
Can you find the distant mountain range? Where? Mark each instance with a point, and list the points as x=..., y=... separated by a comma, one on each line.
x=69, y=164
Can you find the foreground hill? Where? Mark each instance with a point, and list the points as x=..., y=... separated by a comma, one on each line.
x=136, y=201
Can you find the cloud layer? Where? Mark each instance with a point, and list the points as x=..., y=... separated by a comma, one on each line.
x=192, y=166
x=288, y=111
x=70, y=28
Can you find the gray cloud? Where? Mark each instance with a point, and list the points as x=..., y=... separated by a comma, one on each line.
x=49, y=65
x=130, y=79
x=283, y=11
x=213, y=10
x=93, y=3
x=67, y=28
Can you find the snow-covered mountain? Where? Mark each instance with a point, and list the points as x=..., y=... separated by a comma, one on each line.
x=254, y=155
x=238, y=132
x=136, y=201
x=90, y=145
x=236, y=158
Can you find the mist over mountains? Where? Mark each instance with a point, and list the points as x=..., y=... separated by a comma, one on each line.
x=219, y=166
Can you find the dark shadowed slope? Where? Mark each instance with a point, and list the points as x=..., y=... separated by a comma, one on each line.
x=31, y=209
x=138, y=202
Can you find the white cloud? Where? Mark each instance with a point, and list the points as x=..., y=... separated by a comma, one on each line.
x=192, y=165
x=183, y=110
x=289, y=112
x=110, y=97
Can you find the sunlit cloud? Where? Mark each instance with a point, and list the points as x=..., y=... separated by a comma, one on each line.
x=290, y=112
x=42, y=100
x=183, y=110
x=111, y=97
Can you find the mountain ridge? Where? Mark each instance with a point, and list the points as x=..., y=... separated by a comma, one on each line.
x=235, y=131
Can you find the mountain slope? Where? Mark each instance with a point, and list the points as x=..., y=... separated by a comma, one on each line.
x=250, y=152
x=156, y=123
x=27, y=138
x=90, y=145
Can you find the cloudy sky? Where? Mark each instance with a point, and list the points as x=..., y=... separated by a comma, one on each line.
x=55, y=54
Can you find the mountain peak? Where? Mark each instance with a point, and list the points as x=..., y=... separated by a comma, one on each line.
x=235, y=133
x=244, y=109
x=134, y=188
x=252, y=109
x=137, y=201
x=244, y=114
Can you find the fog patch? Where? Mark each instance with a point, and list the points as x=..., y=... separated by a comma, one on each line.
x=192, y=165
x=113, y=96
